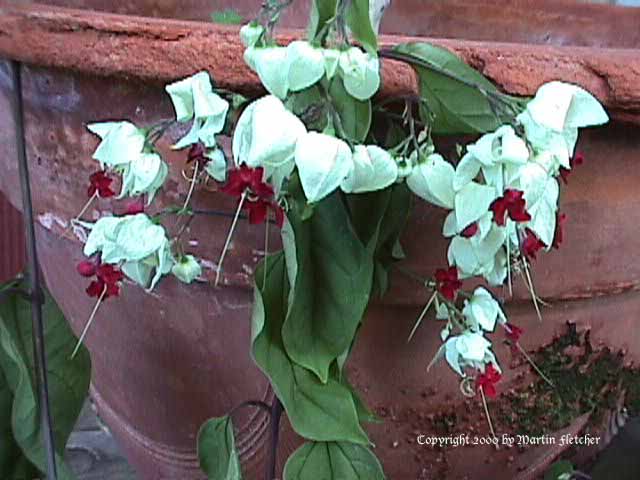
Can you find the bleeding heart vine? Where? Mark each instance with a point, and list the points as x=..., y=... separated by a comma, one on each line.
x=333, y=166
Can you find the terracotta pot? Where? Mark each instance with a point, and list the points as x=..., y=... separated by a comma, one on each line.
x=165, y=362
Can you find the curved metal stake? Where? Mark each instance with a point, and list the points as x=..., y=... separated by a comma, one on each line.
x=276, y=414
x=35, y=291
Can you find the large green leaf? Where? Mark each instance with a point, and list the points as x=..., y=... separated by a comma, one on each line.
x=379, y=218
x=217, y=450
x=333, y=461
x=323, y=12
x=13, y=464
x=359, y=22
x=355, y=115
x=459, y=99
x=316, y=410
x=68, y=382
x=331, y=286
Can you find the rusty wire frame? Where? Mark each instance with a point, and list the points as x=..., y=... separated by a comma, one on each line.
x=34, y=293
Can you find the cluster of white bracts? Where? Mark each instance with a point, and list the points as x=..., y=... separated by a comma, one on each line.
x=498, y=161
x=122, y=149
x=300, y=65
x=270, y=136
x=134, y=242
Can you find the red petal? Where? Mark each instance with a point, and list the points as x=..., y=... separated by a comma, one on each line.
x=499, y=209
x=239, y=181
x=517, y=211
x=258, y=186
x=196, y=154
x=512, y=195
x=513, y=332
x=95, y=288
x=135, y=207
x=109, y=274
x=257, y=211
x=113, y=290
x=559, y=234
x=470, y=230
x=577, y=159
x=448, y=275
x=531, y=245
x=447, y=291
x=86, y=268
x=564, y=174
x=105, y=192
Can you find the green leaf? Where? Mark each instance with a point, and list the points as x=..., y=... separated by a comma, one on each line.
x=318, y=411
x=323, y=12
x=310, y=107
x=68, y=380
x=13, y=464
x=559, y=471
x=355, y=115
x=365, y=414
x=217, y=450
x=459, y=98
x=391, y=208
x=227, y=17
x=359, y=22
x=331, y=289
x=333, y=461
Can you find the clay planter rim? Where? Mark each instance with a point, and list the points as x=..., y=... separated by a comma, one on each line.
x=162, y=50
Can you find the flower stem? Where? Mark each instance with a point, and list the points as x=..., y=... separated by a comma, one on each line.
x=424, y=312
x=486, y=412
x=89, y=322
x=192, y=187
x=228, y=241
x=77, y=217
x=529, y=283
x=533, y=364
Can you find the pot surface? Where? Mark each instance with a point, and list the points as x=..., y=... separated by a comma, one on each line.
x=165, y=362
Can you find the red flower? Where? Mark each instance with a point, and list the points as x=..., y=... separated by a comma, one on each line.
x=86, y=268
x=197, y=153
x=531, y=245
x=100, y=182
x=511, y=203
x=559, y=235
x=513, y=332
x=259, y=197
x=576, y=160
x=135, y=207
x=107, y=276
x=447, y=282
x=258, y=210
x=246, y=179
x=470, y=230
x=487, y=381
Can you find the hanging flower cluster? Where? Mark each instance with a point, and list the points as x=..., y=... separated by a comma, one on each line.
x=503, y=201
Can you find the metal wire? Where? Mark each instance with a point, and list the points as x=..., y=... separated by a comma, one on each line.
x=35, y=290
